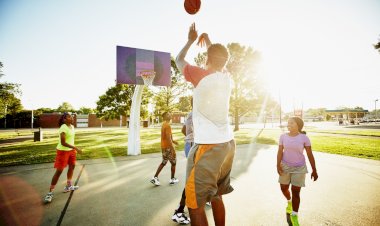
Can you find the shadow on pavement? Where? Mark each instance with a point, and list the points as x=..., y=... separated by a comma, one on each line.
x=112, y=192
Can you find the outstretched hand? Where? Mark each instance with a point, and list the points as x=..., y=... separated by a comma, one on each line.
x=193, y=34
x=203, y=40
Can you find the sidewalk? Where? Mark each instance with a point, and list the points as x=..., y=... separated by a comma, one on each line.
x=118, y=192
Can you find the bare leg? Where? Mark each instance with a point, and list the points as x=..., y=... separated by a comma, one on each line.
x=55, y=178
x=70, y=172
x=285, y=191
x=173, y=170
x=296, y=198
x=182, y=203
x=159, y=169
x=219, y=212
x=198, y=217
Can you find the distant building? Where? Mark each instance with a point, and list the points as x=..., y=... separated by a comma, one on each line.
x=50, y=120
x=347, y=114
x=178, y=117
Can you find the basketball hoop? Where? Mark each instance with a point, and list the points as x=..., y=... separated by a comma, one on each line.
x=148, y=76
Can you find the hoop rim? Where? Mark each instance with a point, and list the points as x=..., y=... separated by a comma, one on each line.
x=148, y=76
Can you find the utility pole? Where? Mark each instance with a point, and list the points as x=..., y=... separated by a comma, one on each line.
x=32, y=119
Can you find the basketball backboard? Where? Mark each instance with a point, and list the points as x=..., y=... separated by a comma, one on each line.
x=131, y=61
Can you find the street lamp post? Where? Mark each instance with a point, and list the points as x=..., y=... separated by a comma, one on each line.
x=375, y=109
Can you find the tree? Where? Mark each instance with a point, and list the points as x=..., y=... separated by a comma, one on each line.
x=377, y=45
x=85, y=110
x=246, y=89
x=40, y=111
x=15, y=107
x=9, y=102
x=184, y=104
x=118, y=100
x=315, y=112
x=65, y=107
x=1, y=69
x=166, y=100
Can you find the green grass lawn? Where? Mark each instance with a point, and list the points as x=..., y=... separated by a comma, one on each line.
x=103, y=143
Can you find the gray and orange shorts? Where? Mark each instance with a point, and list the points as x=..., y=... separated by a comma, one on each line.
x=208, y=172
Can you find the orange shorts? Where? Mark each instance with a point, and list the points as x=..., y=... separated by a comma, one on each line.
x=64, y=158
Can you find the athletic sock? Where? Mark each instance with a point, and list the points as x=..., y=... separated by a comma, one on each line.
x=294, y=213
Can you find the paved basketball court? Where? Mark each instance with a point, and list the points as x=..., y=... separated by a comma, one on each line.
x=117, y=192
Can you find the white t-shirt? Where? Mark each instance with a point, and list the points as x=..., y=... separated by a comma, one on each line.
x=211, y=102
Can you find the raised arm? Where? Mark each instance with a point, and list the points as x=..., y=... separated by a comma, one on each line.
x=204, y=40
x=192, y=36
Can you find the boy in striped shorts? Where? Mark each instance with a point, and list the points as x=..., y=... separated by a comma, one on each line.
x=210, y=159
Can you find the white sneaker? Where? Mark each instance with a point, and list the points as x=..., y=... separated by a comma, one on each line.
x=155, y=181
x=173, y=181
x=70, y=188
x=180, y=218
x=48, y=197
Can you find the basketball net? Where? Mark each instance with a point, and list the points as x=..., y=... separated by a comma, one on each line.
x=148, y=76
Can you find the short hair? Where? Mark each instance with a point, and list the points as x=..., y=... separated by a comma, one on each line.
x=164, y=114
x=218, y=55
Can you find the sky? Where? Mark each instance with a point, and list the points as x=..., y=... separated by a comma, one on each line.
x=314, y=53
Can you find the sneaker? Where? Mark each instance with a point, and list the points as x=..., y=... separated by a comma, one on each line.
x=70, y=188
x=173, y=181
x=180, y=218
x=289, y=208
x=155, y=181
x=294, y=219
x=48, y=197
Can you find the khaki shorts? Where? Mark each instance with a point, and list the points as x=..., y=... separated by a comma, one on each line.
x=293, y=175
x=208, y=172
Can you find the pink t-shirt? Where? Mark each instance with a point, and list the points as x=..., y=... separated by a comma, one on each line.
x=293, y=149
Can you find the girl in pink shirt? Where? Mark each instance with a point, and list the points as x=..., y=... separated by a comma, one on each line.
x=291, y=165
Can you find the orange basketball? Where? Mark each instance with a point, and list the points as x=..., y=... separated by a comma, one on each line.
x=192, y=6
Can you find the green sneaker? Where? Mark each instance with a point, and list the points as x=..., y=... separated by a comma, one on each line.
x=294, y=219
x=289, y=208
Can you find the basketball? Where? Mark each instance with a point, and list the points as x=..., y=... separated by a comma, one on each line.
x=192, y=6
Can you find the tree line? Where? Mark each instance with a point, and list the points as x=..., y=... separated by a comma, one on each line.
x=248, y=98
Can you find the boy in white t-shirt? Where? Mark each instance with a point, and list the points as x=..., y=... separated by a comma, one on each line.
x=210, y=159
